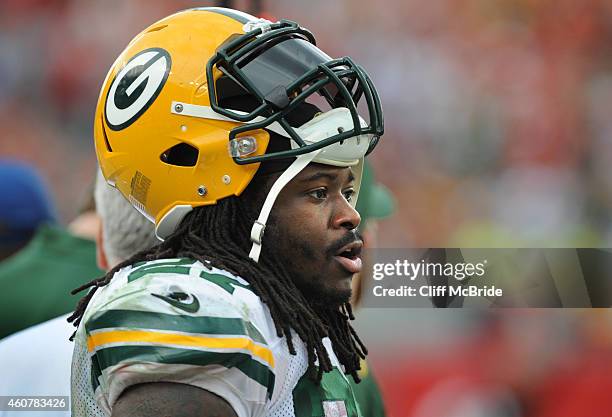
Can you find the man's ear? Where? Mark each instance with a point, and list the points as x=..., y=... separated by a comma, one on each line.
x=100, y=254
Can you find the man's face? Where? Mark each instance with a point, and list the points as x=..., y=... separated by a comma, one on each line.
x=313, y=229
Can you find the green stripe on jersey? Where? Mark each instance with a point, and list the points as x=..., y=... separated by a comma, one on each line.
x=176, y=356
x=180, y=266
x=223, y=281
x=183, y=267
x=95, y=373
x=133, y=319
x=175, y=261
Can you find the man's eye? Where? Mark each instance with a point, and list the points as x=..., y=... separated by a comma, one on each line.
x=319, y=194
x=349, y=194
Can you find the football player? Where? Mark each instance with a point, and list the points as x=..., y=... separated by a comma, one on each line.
x=243, y=143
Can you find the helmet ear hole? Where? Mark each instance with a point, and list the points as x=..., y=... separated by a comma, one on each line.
x=181, y=154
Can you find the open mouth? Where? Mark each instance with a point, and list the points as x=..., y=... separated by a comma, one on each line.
x=349, y=257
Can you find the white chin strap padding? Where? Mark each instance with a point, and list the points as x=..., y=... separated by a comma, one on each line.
x=257, y=231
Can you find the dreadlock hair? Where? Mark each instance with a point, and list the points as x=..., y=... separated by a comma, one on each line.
x=217, y=235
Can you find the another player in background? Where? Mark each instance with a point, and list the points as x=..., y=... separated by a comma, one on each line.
x=28, y=370
x=26, y=205
x=41, y=261
x=242, y=141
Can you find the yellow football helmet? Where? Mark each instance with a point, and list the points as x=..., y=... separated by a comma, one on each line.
x=170, y=135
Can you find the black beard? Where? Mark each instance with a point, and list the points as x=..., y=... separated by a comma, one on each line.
x=320, y=298
x=317, y=295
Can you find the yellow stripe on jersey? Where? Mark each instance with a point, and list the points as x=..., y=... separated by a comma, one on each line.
x=98, y=339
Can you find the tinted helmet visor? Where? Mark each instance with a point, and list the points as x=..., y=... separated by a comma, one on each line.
x=281, y=68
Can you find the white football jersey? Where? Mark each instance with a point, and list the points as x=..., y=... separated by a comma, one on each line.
x=174, y=320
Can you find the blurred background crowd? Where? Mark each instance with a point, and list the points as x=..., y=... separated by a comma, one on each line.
x=498, y=119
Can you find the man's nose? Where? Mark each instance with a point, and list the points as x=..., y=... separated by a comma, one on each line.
x=346, y=216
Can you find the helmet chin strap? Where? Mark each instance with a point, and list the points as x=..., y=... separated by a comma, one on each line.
x=257, y=231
